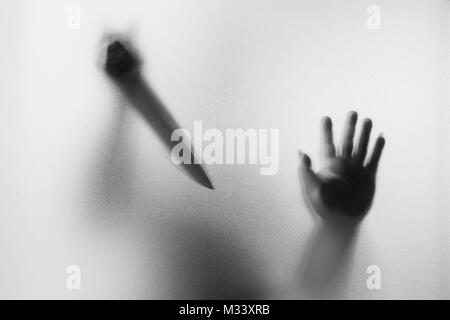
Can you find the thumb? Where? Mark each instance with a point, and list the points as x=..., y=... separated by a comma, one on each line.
x=307, y=175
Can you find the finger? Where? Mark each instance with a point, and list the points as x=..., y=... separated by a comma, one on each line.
x=329, y=150
x=372, y=165
x=310, y=180
x=361, y=150
x=347, y=144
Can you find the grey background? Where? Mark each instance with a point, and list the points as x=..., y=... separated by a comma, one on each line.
x=85, y=182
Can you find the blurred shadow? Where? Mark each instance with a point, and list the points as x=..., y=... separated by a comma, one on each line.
x=203, y=261
x=326, y=262
x=113, y=170
x=123, y=66
x=163, y=124
x=199, y=260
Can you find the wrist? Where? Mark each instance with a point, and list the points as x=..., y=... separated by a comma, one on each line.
x=340, y=226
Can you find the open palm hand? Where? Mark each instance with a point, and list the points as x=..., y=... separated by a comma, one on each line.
x=343, y=189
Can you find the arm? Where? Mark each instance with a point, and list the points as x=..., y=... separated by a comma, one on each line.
x=339, y=195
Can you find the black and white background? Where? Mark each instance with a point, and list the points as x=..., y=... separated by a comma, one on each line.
x=87, y=186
